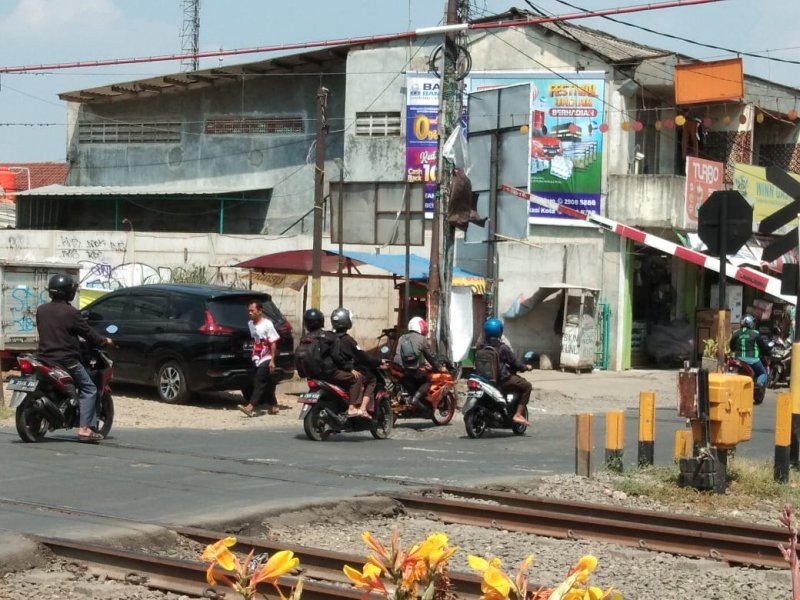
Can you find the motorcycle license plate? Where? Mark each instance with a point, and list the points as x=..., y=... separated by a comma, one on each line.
x=21, y=384
x=309, y=397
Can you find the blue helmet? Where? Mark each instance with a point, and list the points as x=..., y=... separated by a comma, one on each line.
x=493, y=327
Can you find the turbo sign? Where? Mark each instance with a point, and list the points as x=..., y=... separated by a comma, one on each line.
x=703, y=177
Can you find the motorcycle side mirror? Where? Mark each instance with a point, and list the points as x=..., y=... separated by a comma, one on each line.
x=529, y=356
x=384, y=349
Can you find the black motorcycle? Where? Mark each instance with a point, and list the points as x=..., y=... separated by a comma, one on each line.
x=780, y=362
x=46, y=399
x=325, y=411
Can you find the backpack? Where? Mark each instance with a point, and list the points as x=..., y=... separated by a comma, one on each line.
x=312, y=357
x=408, y=353
x=487, y=363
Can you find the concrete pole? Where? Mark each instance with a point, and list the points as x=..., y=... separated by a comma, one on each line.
x=319, y=194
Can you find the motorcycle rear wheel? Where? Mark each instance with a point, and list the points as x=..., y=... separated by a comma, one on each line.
x=443, y=413
x=383, y=419
x=316, y=429
x=31, y=424
x=475, y=423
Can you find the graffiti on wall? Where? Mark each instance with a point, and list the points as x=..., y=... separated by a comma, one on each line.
x=23, y=303
x=104, y=276
x=77, y=249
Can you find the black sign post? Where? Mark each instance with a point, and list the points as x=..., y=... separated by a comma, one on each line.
x=725, y=223
x=788, y=241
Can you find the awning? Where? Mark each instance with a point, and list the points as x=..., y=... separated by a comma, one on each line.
x=135, y=190
x=390, y=266
x=523, y=305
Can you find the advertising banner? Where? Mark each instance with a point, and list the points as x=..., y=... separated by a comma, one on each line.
x=751, y=182
x=422, y=133
x=566, y=145
x=703, y=177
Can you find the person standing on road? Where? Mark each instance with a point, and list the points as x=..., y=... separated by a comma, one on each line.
x=265, y=337
x=59, y=324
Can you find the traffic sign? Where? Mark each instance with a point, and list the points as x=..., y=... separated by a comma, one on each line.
x=725, y=221
x=783, y=216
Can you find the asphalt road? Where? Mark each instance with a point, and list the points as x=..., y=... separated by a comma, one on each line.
x=203, y=477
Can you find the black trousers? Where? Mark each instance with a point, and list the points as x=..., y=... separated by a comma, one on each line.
x=415, y=380
x=262, y=389
x=517, y=384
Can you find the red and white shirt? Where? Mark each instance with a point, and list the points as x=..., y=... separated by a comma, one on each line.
x=264, y=334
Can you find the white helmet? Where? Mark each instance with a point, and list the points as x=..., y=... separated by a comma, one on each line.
x=419, y=325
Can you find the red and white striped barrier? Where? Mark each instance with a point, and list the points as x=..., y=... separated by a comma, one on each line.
x=751, y=277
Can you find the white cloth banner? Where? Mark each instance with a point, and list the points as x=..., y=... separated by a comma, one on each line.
x=460, y=321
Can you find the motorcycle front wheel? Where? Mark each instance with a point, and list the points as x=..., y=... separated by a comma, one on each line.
x=105, y=415
x=31, y=424
x=443, y=413
x=383, y=419
x=316, y=429
x=475, y=423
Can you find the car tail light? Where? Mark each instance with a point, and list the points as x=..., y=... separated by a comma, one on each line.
x=211, y=327
x=25, y=366
x=473, y=385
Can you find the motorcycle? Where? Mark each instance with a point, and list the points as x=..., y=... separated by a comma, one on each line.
x=780, y=362
x=439, y=404
x=734, y=365
x=45, y=397
x=325, y=411
x=487, y=407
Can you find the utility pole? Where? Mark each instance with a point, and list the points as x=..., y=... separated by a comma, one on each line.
x=440, y=275
x=319, y=189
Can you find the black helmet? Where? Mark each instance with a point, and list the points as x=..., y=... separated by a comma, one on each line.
x=313, y=319
x=62, y=287
x=341, y=319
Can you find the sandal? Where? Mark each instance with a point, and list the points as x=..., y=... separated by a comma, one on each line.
x=245, y=410
x=274, y=410
x=90, y=437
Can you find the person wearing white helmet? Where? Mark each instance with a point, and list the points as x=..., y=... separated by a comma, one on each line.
x=412, y=348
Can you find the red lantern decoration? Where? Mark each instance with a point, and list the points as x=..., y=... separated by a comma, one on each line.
x=707, y=122
x=603, y=127
x=742, y=118
x=792, y=114
x=638, y=126
x=669, y=123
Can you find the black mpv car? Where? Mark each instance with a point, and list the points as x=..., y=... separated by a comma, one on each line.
x=186, y=338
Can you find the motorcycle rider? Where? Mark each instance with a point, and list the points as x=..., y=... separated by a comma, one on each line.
x=409, y=348
x=59, y=324
x=509, y=366
x=748, y=346
x=351, y=379
x=348, y=356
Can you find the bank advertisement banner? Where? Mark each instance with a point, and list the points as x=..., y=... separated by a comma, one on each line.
x=422, y=133
x=566, y=145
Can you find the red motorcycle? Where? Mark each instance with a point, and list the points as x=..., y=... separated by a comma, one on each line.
x=734, y=365
x=46, y=399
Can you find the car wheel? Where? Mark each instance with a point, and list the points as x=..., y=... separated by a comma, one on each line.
x=171, y=383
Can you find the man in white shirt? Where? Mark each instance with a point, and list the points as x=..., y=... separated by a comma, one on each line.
x=264, y=339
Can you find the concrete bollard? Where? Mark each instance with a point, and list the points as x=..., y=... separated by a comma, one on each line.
x=583, y=444
x=647, y=427
x=615, y=439
x=783, y=437
x=684, y=444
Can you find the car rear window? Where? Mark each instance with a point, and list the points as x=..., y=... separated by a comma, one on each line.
x=230, y=312
x=273, y=313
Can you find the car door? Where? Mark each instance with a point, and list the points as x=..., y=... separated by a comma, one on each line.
x=108, y=316
x=146, y=329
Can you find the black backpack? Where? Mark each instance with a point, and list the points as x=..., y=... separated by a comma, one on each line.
x=312, y=358
x=408, y=353
x=487, y=363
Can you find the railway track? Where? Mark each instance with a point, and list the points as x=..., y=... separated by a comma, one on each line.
x=733, y=542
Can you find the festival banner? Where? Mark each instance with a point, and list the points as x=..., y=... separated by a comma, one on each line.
x=566, y=145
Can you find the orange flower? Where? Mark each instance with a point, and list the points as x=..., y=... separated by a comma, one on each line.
x=218, y=554
x=368, y=579
x=278, y=564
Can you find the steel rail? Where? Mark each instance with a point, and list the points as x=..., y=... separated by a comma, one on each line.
x=733, y=549
x=644, y=517
x=175, y=575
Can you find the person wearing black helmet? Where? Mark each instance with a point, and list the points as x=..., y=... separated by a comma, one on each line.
x=59, y=324
x=509, y=366
x=348, y=356
x=349, y=379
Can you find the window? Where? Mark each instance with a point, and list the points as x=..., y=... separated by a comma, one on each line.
x=129, y=133
x=265, y=126
x=378, y=124
x=109, y=309
x=149, y=306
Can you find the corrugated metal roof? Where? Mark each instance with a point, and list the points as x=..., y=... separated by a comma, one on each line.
x=133, y=190
x=612, y=48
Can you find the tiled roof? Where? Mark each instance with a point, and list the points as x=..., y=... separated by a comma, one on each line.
x=41, y=173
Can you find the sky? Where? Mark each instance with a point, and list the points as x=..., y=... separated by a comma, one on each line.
x=33, y=32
